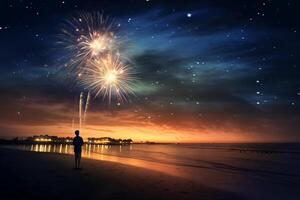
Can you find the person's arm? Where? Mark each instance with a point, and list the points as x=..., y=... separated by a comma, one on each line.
x=81, y=141
x=74, y=141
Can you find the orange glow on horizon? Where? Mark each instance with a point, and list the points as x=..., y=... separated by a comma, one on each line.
x=56, y=119
x=143, y=133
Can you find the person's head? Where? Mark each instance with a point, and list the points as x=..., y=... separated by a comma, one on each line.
x=77, y=132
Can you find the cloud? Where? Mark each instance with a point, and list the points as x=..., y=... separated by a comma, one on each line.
x=196, y=80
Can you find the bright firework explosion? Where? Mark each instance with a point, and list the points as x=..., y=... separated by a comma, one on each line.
x=88, y=36
x=109, y=77
x=95, y=56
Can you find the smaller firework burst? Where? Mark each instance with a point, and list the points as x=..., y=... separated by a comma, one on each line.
x=86, y=37
x=110, y=78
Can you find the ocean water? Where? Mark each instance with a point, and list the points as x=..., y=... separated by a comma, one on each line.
x=254, y=171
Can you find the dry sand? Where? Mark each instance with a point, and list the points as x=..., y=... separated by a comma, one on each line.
x=31, y=175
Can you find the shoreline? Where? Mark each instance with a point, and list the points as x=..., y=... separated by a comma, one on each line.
x=34, y=175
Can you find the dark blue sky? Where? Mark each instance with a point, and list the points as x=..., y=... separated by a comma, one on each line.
x=202, y=66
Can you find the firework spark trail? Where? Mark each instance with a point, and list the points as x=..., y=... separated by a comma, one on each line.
x=80, y=110
x=86, y=107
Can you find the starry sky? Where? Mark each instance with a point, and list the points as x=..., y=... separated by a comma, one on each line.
x=207, y=71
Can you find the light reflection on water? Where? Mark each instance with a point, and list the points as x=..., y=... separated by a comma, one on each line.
x=115, y=153
x=87, y=150
x=214, y=165
x=223, y=166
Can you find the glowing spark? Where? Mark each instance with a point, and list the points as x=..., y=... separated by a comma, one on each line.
x=109, y=78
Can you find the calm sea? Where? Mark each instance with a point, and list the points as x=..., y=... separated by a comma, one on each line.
x=252, y=170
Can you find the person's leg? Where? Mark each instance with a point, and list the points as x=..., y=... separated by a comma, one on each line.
x=76, y=160
x=79, y=159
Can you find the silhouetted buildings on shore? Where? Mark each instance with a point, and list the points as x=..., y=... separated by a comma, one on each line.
x=49, y=139
x=108, y=140
x=46, y=139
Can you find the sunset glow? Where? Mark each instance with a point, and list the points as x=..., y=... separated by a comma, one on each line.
x=151, y=75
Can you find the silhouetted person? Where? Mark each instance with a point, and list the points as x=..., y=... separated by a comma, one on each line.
x=77, y=142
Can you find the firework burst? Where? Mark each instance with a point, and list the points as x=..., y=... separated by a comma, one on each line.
x=110, y=78
x=88, y=36
x=96, y=57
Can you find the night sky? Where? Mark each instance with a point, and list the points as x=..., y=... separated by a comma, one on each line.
x=207, y=71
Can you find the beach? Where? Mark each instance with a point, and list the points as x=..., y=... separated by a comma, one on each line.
x=37, y=175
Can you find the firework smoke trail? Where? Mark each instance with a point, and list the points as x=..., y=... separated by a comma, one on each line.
x=80, y=110
x=73, y=126
x=86, y=107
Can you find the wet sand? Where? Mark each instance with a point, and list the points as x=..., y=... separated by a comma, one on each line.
x=32, y=175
